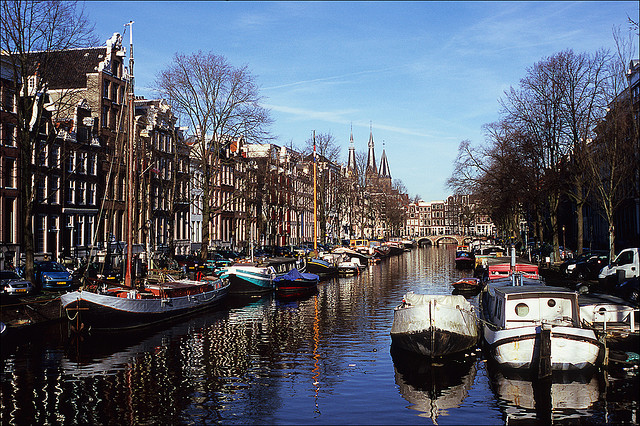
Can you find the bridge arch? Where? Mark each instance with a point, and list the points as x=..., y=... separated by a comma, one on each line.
x=434, y=240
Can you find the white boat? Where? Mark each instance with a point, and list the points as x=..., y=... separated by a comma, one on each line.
x=434, y=325
x=117, y=307
x=612, y=317
x=525, y=326
x=350, y=266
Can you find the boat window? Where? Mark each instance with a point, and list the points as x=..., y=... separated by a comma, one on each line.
x=522, y=310
x=551, y=303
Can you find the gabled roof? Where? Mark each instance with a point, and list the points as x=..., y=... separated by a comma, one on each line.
x=68, y=69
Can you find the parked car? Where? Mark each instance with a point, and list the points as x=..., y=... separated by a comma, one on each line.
x=629, y=290
x=569, y=265
x=589, y=268
x=11, y=283
x=50, y=275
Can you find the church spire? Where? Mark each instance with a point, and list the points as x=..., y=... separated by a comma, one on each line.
x=384, y=165
x=371, y=159
x=351, y=163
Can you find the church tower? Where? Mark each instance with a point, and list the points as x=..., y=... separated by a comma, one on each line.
x=371, y=173
x=385, y=173
x=351, y=163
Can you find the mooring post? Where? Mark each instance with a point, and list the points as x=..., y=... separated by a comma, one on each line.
x=544, y=361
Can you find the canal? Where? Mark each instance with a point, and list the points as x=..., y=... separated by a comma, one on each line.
x=322, y=360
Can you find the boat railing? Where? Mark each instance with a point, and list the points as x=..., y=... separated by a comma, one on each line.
x=634, y=327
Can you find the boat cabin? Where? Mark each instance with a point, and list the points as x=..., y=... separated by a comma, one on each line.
x=524, y=306
x=503, y=270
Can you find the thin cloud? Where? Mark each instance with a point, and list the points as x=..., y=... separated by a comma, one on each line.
x=340, y=117
x=336, y=77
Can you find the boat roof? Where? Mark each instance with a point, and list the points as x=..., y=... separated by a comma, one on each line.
x=529, y=289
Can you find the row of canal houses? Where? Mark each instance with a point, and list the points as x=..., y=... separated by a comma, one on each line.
x=264, y=191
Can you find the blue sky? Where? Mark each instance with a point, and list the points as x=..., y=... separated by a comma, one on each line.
x=426, y=75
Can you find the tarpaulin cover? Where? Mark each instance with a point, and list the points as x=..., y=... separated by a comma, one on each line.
x=294, y=274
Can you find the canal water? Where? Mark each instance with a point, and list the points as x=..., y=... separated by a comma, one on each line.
x=322, y=360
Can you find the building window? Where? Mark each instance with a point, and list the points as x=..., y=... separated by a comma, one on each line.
x=9, y=173
x=41, y=190
x=71, y=190
x=9, y=134
x=82, y=187
x=8, y=100
x=71, y=162
x=54, y=187
x=91, y=194
x=42, y=154
x=105, y=116
x=105, y=93
x=54, y=159
x=82, y=166
x=91, y=164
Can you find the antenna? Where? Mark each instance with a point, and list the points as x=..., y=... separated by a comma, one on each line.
x=130, y=25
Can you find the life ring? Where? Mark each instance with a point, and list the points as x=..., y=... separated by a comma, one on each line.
x=198, y=276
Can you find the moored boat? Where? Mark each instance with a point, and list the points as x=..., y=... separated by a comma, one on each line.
x=118, y=307
x=295, y=283
x=468, y=285
x=434, y=325
x=249, y=278
x=320, y=267
x=349, y=267
x=530, y=326
x=465, y=259
x=613, y=318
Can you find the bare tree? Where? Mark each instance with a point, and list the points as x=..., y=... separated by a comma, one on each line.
x=613, y=155
x=43, y=27
x=221, y=103
x=581, y=79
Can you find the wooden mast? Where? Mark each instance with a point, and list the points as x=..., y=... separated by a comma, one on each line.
x=130, y=163
x=315, y=200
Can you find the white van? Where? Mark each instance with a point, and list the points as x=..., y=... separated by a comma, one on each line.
x=625, y=266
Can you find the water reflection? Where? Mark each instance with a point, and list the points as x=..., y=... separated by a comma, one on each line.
x=566, y=397
x=433, y=387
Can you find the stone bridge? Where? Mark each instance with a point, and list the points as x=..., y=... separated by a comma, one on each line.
x=436, y=240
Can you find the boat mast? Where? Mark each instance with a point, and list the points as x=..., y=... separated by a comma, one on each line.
x=130, y=164
x=315, y=201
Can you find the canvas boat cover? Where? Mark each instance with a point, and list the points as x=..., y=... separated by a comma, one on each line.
x=425, y=299
x=294, y=274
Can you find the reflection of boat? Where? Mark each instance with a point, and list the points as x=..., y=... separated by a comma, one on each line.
x=433, y=388
x=533, y=325
x=249, y=278
x=296, y=283
x=121, y=307
x=566, y=396
x=434, y=325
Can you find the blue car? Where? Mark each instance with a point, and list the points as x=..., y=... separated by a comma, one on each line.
x=51, y=275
